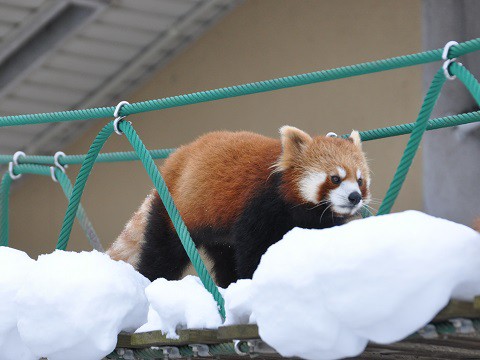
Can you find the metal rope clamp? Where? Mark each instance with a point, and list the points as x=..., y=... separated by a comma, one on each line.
x=236, y=347
x=200, y=350
x=169, y=352
x=57, y=165
x=448, y=61
x=13, y=163
x=117, y=116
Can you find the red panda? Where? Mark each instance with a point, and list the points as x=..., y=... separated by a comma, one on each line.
x=240, y=192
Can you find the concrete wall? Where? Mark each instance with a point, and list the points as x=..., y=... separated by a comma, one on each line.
x=450, y=182
x=259, y=40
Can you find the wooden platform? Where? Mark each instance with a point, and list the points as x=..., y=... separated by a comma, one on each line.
x=442, y=340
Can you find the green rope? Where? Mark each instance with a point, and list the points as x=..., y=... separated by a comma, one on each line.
x=413, y=143
x=78, y=159
x=421, y=125
x=245, y=89
x=467, y=79
x=4, y=207
x=80, y=183
x=162, y=190
x=82, y=218
x=367, y=135
x=67, y=189
x=434, y=124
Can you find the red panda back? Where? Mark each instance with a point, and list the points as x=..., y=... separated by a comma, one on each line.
x=212, y=178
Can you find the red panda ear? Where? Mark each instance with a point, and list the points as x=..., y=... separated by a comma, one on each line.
x=294, y=141
x=355, y=138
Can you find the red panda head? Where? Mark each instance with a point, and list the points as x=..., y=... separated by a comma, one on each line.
x=324, y=170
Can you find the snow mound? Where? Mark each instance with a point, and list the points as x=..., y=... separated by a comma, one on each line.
x=238, y=303
x=154, y=322
x=181, y=304
x=15, y=266
x=73, y=305
x=323, y=294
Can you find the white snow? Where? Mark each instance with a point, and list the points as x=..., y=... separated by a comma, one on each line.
x=317, y=294
x=15, y=266
x=154, y=322
x=181, y=304
x=238, y=303
x=323, y=294
x=73, y=305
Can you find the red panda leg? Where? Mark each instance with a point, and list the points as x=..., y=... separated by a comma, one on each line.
x=162, y=253
x=223, y=258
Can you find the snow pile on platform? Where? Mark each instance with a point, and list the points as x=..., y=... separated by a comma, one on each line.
x=15, y=266
x=73, y=305
x=323, y=294
x=238, y=303
x=180, y=304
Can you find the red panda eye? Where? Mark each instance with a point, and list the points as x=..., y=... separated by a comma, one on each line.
x=360, y=182
x=336, y=179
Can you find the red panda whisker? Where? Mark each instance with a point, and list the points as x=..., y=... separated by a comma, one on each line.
x=316, y=206
x=328, y=207
x=368, y=207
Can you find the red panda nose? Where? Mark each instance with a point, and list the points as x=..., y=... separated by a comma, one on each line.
x=354, y=197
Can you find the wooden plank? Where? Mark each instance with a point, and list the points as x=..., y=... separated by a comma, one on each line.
x=456, y=309
x=156, y=338
x=454, y=341
x=476, y=302
x=437, y=351
x=441, y=347
x=238, y=332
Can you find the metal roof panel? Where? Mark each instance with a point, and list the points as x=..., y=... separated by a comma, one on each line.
x=118, y=45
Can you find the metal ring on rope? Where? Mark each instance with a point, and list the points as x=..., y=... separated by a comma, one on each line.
x=448, y=61
x=56, y=161
x=117, y=116
x=236, y=347
x=13, y=163
x=57, y=165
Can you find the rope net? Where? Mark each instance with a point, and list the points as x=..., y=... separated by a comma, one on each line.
x=41, y=164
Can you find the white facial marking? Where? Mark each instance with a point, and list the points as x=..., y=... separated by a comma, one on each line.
x=359, y=174
x=310, y=185
x=339, y=198
x=341, y=172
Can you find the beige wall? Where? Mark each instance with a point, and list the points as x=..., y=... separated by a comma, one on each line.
x=259, y=40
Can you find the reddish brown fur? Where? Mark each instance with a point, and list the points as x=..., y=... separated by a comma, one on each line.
x=204, y=174
x=203, y=177
x=320, y=154
x=213, y=178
